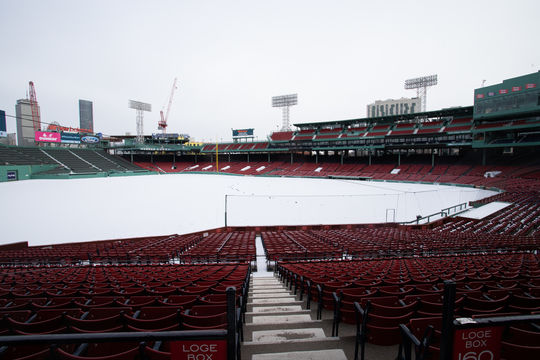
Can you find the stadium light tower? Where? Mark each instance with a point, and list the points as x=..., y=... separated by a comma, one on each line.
x=421, y=84
x=140, y=107
x=284, y=101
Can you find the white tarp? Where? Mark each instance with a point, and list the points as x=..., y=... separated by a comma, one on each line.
x=60, y=211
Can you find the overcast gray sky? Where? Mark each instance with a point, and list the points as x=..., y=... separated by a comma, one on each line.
x=232, y=56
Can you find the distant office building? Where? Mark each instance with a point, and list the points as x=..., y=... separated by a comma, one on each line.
x=10, y=139
x=86, y=115
x=394, y=107
x=25, y=124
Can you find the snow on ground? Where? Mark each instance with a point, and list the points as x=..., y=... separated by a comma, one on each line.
x=485, y=210
x=59, y=211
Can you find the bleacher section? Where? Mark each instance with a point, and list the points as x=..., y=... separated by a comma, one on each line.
x=66, y=160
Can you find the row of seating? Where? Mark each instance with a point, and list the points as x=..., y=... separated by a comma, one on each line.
x=102, y=299
x=236, y=246
x=392, y=240
x=496, y=176
x=409, y=291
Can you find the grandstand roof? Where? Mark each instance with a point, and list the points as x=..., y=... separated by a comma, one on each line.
x=455, y=112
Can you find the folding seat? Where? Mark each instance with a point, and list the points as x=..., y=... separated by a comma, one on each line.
x=156, y=312
x=162, y=290
x=98, y=320
x=60, y=302
x=199, y=322
x=393, y=311
x=214, y=299
x=64, y=293
x=157, y=354
x=431, y=305
x=46, y=314
x=185, y=301
x=206, y=283
x=26, y=352
x=221, y=289
x=231, y=282
x=155, y=319
x=90, y=293
x=524, y=304
x=396, y=290
x=428, y=289
x=205, y=310
x=102, y=351
x=473, y=305
x=24, y=293
x=106, y=312
x=195, y=290
x=129, y=291
x=181, y=284
x=330, y=287
x=418, y=327
x=17, y=304
x=464, y=287
x=49, y=326
x=384, y=330
x=136, y=302
x=102, y=301
x=19, y=315
x=510, y=351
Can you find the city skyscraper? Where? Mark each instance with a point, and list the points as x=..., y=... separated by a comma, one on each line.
x=25, y=124
x=86, y=115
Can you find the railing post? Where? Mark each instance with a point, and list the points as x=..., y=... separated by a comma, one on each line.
x=447, y=331
x=231, y=323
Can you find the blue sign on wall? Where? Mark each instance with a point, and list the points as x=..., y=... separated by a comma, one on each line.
x=90, y=139
x=70, y=138
x=12, y=175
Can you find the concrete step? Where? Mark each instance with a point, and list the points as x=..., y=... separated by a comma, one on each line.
x=287, y=335
x=278, y=309
x=273, y=295
x=277, y=300
x=263, y=288
x=275, y=325
x=280, y=319
x=264, y=280
x=334, y=354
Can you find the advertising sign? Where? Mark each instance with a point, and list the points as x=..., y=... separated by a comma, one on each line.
x=70, y=138
x=12, y=175
x=478, y=343
x=199, y=350
x=242, y=132
x=3, y=129
x=90, y=139
x=43, y=136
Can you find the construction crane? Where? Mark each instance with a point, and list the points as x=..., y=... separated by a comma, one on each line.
x=162, y=123
x=34, y=106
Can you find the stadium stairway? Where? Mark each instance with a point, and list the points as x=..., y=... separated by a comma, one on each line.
x=278, y=327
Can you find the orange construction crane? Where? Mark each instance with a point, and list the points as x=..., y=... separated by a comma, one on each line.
x=33, y=105
x=162, y=123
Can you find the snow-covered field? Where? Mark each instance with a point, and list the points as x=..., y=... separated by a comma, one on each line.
x=58, y=211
